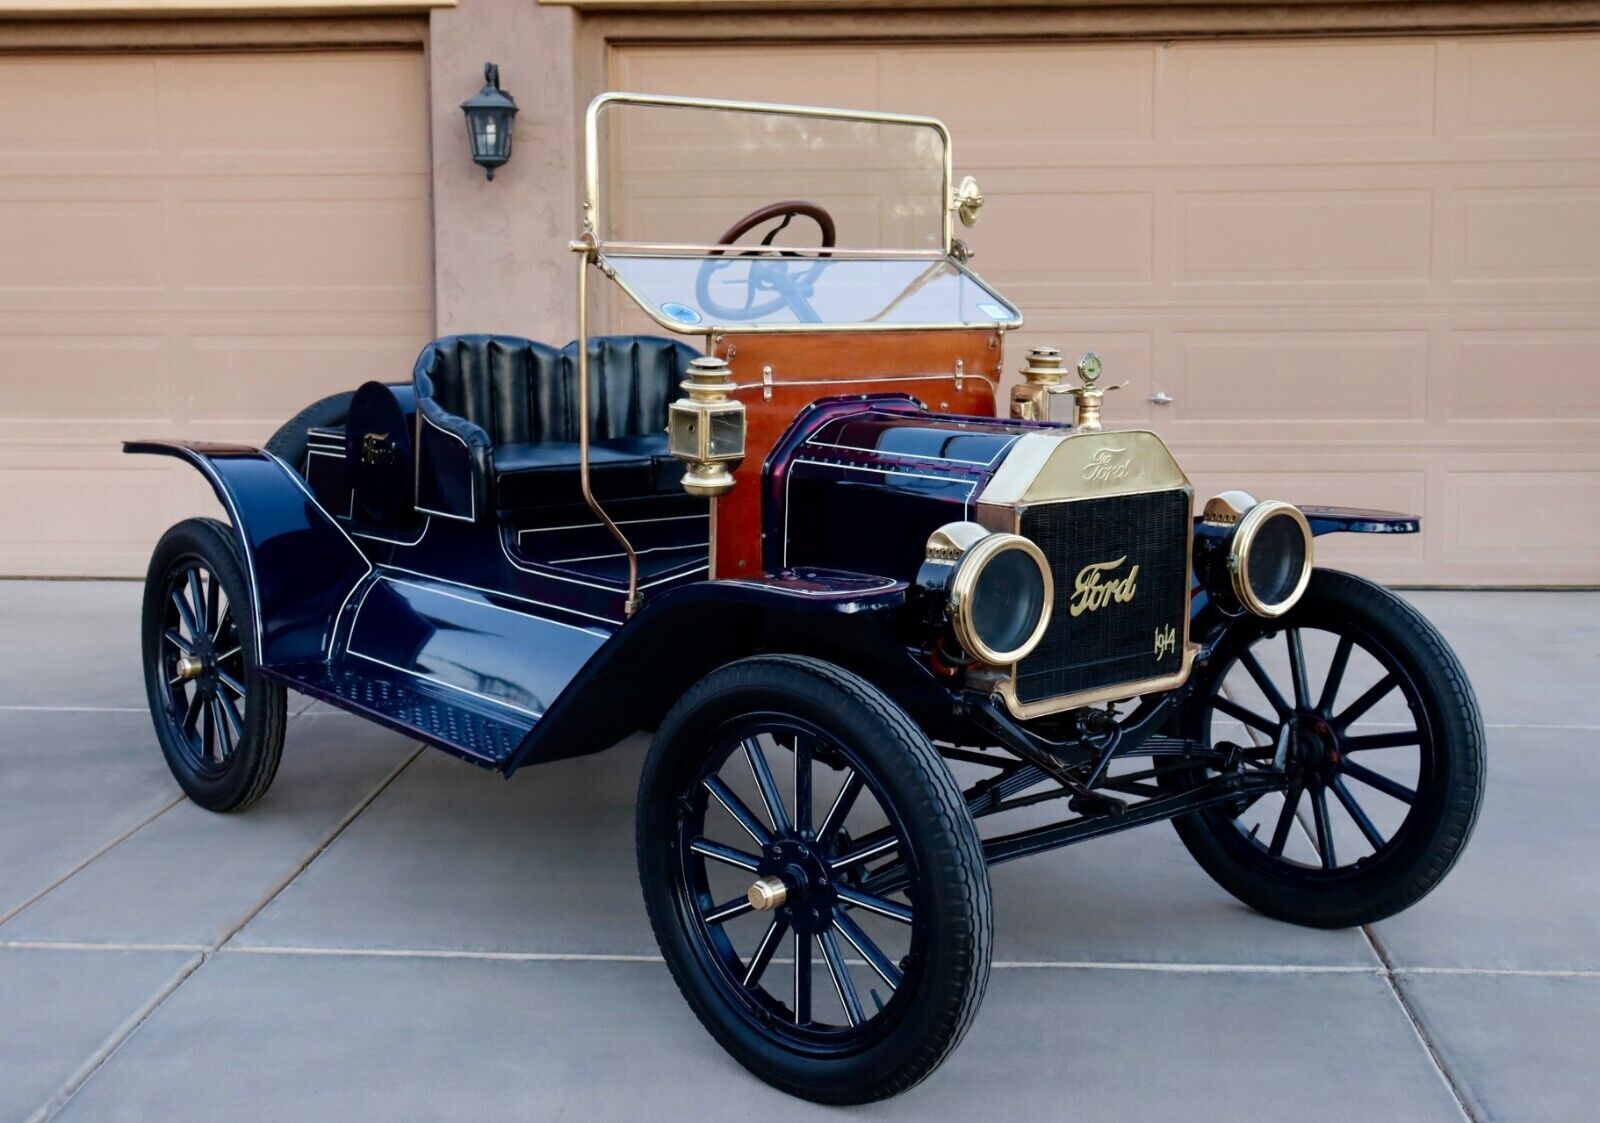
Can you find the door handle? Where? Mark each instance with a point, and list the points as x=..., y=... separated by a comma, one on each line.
x=1161, y=398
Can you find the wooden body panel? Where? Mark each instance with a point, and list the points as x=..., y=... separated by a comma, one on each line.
x=950, y=370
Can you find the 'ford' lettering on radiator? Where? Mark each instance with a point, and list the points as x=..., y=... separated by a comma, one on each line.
x=1090, y=592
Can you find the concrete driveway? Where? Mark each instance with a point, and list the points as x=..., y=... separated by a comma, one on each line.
x=394, y=935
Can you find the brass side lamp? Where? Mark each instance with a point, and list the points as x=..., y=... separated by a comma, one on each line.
x=706, y=429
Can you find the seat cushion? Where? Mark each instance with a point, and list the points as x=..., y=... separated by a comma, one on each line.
x=546, y=474
x=667, y=470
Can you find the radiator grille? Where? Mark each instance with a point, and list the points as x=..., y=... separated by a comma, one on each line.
x=1114, y=643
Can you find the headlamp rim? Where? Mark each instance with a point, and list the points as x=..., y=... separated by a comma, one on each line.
x=1243, y=540
x=968, y=568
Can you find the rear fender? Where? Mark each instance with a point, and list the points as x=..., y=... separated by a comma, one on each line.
x=679, y=637
x=300, y=564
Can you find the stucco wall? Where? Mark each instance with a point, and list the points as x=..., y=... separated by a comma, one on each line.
x=501, y=261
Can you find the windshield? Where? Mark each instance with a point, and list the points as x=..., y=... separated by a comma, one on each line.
x=682, y=172
x=744, y=293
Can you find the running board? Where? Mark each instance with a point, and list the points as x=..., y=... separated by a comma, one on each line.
x=482, y=732
x=468, y=669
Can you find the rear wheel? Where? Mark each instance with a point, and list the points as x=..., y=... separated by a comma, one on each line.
x=1365, y=706
x=219, y=721
x=814, y=880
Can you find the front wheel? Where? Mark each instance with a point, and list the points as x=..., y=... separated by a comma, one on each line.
x=814, y=880
x=1362, y=703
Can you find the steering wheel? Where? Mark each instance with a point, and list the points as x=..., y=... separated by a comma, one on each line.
x=771, y=272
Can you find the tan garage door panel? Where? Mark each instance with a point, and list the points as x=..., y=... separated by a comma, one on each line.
x=192, y=245
x=1367, y=271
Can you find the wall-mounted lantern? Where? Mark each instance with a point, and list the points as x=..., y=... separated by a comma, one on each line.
x=489, y=113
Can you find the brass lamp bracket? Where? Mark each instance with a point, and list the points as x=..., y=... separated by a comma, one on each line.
x=967, y=201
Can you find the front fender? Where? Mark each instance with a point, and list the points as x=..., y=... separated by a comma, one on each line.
x=1358, y=520
x=1322, y=520
x=301, y=566
x=680, y=636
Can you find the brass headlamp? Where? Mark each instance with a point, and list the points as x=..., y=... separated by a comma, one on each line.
x=706, y=429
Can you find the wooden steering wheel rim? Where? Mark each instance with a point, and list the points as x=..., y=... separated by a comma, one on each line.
x=755, y=218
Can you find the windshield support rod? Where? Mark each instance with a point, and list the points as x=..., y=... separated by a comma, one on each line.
x=584, y=247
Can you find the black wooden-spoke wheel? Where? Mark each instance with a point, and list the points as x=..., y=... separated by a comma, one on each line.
x=203, y=665
x=798, y=865
x=775, y=794
x=219, y=722
x=1363, y=707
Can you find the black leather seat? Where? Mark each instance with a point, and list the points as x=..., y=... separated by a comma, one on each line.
x=514, y=403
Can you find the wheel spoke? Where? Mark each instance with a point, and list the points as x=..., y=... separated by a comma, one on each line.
x=879, y=905
x=208, y=733
x=1398, y=739
x=224, y=730
x=734, y=806
x=1274, y=697
x=235, y=719
x=802, y=785
x=197, y=602
x=764, y=950
x=1375, y=780
x=842, y=983
x=230, y=682
x=1280, y=833
x=728, y=910
x=834, y=819
x=769, y=787
x=192, y=714
x=1248, y=717
x=1330, y=686
x=223, y=621
x=865, y=853
x=868, y=950
x=213, y=618
x=802, y=978
x=175, y=637
x=727, y=855
x=1297, y=668
x=1364, y=703
x=185, y=613
x=1319, y=815
x=1374, y=836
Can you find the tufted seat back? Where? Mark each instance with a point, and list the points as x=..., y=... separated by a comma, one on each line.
x=522, y=392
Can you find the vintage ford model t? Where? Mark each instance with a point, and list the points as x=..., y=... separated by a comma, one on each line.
x=865, y=605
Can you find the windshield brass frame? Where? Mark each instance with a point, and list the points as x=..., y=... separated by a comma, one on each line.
x=591, y=155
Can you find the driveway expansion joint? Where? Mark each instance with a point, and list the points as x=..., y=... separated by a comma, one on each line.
x=127, y=1029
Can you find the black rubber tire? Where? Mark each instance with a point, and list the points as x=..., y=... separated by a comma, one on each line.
x=290, y=442
x=899, y=758
x=249, y=771
x=1438, y=828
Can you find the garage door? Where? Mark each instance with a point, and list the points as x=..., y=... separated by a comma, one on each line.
x=192, y=245
x=1365, y=272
